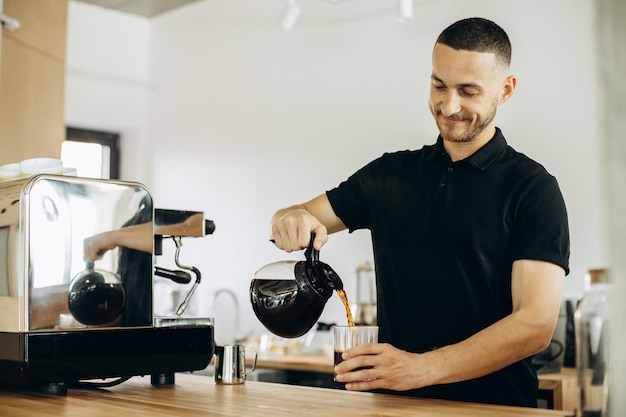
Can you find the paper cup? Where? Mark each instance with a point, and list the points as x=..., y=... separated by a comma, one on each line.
x=36, y=166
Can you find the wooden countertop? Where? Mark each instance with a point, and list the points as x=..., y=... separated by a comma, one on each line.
x=561, y=384
x=194, y=395
x=319, y=364
x=325, y=365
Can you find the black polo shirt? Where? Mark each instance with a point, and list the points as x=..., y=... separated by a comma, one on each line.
x=445, y=235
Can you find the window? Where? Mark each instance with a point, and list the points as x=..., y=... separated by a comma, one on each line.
x=94, y=154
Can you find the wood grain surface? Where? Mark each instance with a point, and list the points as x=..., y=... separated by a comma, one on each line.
x=295, y=363
x=562, y=384
x=194, y=395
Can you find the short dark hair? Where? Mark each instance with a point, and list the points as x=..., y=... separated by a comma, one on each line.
x=479, y=35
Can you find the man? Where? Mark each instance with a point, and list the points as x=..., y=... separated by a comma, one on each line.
x=470, y=238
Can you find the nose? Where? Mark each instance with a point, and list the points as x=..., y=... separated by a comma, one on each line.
x=451, y=104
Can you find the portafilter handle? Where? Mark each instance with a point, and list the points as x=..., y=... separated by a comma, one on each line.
x=179, y=277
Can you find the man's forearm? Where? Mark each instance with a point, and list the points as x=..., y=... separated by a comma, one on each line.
x=505, y=342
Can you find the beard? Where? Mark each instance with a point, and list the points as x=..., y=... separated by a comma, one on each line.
x=464, y=133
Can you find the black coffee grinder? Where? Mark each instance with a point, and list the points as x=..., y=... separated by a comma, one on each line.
x=76, y=285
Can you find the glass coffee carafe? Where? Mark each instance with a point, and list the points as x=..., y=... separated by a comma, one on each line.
x=288, y=297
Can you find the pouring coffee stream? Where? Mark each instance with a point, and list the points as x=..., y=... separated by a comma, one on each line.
x=288, y=297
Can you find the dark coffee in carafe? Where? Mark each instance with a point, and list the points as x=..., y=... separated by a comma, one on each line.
x=283, y=307
x=288, y=297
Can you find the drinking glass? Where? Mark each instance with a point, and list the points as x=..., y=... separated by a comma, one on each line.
x=346, y=337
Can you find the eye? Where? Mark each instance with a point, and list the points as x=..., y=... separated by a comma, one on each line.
x=469, y=93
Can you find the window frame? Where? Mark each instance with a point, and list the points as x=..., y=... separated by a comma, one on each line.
x=109, y=139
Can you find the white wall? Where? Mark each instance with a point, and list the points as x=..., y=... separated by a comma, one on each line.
x=108, y=83
x=611, y=37
x=237, y=118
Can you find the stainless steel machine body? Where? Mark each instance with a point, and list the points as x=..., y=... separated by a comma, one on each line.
x=44, y=223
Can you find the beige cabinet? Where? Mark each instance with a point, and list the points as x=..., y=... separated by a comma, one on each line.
x=32, y=80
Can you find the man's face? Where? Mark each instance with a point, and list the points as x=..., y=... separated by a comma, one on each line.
x=466, y=88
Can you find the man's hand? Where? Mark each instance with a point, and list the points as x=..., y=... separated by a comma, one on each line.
x=94, y=247
x=292, y=228
x=381, y=366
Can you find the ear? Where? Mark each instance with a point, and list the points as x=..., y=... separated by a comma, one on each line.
x=508, y=89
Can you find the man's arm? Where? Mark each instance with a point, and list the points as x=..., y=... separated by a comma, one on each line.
x=291, y=227
x=138, y=237
x=536, y=290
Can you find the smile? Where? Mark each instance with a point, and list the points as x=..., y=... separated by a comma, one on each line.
x=454, y=120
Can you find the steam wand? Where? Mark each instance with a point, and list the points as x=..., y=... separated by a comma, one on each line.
x=183, y=306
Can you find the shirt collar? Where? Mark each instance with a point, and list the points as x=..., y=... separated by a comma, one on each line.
x=482, y=158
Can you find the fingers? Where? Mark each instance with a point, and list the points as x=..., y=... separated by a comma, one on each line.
x=360, y=373
x=290, y=239
x=90, y=251
x=355, y=361
x=292, y=231
x=321, y=236
x=95, y=247
x=377, y=365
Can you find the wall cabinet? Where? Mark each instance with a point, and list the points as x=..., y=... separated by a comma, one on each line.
x=32, y=80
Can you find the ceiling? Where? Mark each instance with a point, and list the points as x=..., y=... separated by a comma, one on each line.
x=146, y=8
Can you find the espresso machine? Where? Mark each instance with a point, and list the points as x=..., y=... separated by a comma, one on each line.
x=76, y=285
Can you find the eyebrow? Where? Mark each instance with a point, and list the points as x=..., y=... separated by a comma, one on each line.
x=464, y=85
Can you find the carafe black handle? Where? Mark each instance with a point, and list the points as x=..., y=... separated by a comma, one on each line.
x=311, y=254
x=322, y=271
